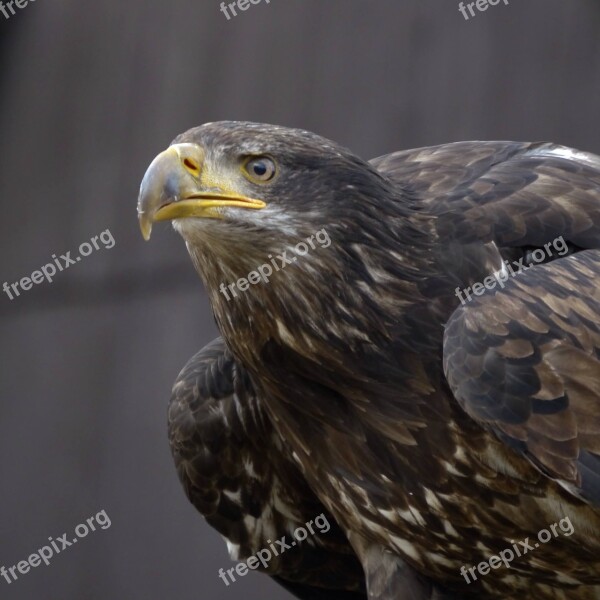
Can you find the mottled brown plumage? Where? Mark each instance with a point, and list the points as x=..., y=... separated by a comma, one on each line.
x=339, y=360
x=236, y=473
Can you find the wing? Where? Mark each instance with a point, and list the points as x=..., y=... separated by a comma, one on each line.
x=523, y=360
x=517, y=195
x=525, y=363
x=235, y=472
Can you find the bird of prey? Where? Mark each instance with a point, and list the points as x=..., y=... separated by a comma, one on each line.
x=429, y=381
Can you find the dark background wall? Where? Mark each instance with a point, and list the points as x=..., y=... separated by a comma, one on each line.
x=91, y=91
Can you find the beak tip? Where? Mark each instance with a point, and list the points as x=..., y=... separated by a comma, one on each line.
x=145, y=227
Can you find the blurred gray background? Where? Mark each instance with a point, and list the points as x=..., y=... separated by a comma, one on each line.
x=90, y=93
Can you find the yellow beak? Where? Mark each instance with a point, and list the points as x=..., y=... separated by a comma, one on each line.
x=170, y=190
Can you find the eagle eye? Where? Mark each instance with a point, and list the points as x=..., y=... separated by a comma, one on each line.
x=260, y=169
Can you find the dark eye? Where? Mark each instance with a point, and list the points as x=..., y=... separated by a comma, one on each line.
x=261, y=168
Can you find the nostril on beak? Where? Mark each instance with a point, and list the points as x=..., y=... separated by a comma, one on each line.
x=192, y=166
x=191, y=157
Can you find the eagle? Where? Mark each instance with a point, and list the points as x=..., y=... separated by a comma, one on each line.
x=409, y=351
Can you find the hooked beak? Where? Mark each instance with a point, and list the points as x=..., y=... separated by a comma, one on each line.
x=171, y=189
